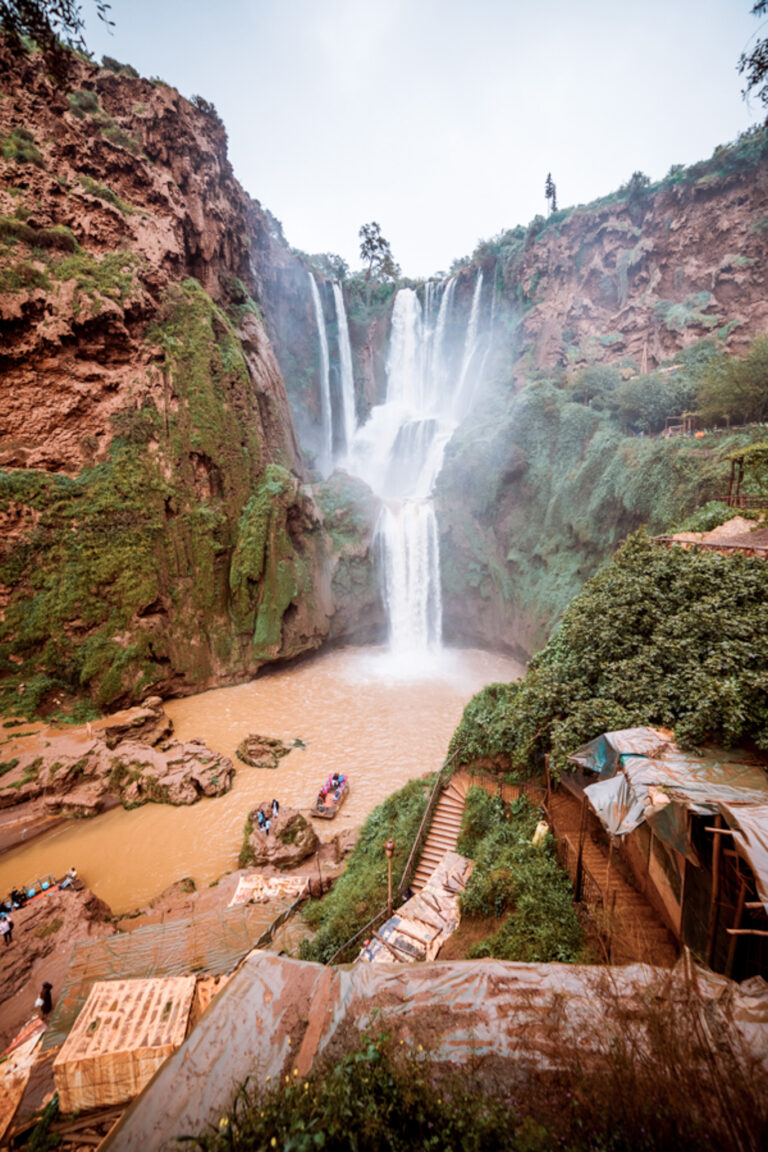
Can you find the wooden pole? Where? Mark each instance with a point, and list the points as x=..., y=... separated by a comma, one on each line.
x=579, y=854
x=736, y=924
x=715, y=890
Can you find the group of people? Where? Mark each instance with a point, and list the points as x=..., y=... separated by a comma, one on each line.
x=18, y=897
x=333, y=784
x=265, y=822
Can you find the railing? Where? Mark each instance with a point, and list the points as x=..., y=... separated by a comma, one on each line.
x=410, y=865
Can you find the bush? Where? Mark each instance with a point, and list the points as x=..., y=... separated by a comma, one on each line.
x=513, y=876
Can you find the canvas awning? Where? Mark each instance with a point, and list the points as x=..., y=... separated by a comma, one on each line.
x=644, y=776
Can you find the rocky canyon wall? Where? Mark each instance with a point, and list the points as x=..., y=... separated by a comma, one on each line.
x=158, y=529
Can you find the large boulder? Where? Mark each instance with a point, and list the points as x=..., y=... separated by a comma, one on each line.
x=261, y=751
x=290, y=839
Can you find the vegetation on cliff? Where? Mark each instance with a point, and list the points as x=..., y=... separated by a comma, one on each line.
x=179, y=536
x=660, y=636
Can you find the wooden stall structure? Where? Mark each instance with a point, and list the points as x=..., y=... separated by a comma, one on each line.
x=125, y=1031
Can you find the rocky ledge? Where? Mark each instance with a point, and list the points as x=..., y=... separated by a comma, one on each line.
x=128, y=758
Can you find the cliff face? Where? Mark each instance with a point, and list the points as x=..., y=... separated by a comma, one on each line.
x=158, y=530
x=539, y=486
x=637, y=278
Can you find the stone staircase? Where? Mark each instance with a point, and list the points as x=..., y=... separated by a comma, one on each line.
x=443, y=831
x=637, y=933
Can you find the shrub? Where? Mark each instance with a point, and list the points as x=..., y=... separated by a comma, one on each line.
x=513, y=876
x=20, y=148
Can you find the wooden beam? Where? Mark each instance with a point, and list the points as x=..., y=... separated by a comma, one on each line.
x=392, y=947
x=734, y=931
x=745, y=932
x=754, y=904
x=715, y=891
x=719, y=831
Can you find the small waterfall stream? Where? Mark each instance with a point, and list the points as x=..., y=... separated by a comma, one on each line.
x=345, y=372
x=326, y=452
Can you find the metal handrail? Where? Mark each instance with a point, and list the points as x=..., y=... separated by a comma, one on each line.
x=426, y=820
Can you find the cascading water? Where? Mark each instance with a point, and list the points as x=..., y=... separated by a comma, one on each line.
x=325, y=455
x=399, y=453
x=345, y=372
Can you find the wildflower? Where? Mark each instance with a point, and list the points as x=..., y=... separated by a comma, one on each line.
x=295, y=1071
x=224, y=1123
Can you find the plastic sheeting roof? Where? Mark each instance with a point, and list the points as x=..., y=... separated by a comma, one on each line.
x=643, y=775
x=276, y=1015
x=212, y=944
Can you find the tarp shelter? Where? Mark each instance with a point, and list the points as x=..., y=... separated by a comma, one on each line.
x=421, y=926
x=126, y=1030
x=644, y=776
x=209, y=945
x=278, y=1014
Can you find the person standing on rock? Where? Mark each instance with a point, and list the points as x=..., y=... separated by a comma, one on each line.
x=275, y=809
x=6, y=930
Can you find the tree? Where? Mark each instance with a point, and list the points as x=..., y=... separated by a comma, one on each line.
x=754, y=65
x=54, y=26
x=550, y=192
x=377, y=253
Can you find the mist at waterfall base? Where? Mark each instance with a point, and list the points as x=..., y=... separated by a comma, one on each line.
x=435, y=365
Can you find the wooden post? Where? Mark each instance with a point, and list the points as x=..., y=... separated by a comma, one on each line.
x=736, y=924
x=715, y=890
x=580, y=853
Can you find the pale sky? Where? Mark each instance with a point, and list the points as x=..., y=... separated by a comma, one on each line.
x=440, y=119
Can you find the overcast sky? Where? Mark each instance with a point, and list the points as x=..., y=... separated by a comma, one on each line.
x=440, y=119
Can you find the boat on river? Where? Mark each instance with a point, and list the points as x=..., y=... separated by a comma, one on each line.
x=331, y=797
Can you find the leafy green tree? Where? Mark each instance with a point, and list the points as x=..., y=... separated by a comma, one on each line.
x=753, y=65
x=550, y=192
x=596, y=385
x=736, y=391
x=637, y=185
x=54, y=26
x=377, y=253
x=330, y=265
x=660, y=636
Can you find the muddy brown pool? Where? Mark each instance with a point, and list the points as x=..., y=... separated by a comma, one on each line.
x=379, y=723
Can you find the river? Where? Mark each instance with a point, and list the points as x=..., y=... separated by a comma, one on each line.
x=356, y=712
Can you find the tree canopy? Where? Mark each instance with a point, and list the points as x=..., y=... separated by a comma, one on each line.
x=377, y=253
x=753, y=65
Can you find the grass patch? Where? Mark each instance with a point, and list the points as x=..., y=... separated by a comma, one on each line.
x=513, y=876
x=49, y=929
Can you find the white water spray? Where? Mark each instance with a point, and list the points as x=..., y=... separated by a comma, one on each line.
x=326, y=451
x=399, y=453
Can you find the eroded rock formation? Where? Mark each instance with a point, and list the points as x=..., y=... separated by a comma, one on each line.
x=158, y=531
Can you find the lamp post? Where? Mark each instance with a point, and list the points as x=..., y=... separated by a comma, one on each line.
x=389, y=848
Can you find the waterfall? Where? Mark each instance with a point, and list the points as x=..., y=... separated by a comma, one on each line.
x=326, y=452
x=399, y=453
x=345, y=372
